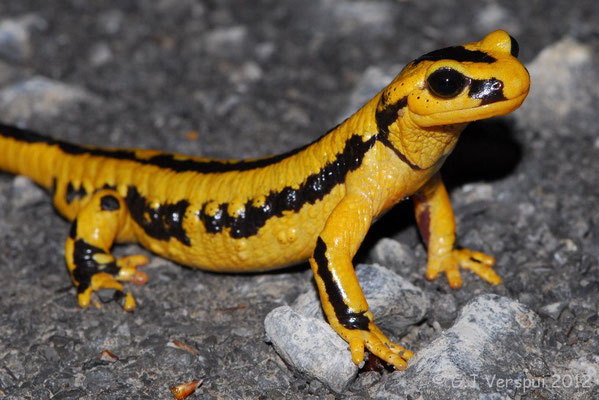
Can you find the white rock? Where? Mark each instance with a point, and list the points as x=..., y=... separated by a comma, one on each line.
x=39, y=96
x=483, y=354
x=393, y=254
x=15, y=44
x=310, y=347
x=26, y=193
x=560, y=76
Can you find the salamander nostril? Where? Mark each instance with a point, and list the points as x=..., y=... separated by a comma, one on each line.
x=488, y=90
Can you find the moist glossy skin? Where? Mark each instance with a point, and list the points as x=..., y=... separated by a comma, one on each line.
x=315, y=203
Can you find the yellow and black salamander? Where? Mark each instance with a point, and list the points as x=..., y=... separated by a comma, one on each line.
x=316, y=202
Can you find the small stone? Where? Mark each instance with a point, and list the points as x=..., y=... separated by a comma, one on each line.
x=477, y=356
x=266, y=49
x=311, y=347
x=395, y=302
x=123, y=330
x=100, y=54
x=225, y=40
x=365, y=380
x=393, y=254
x=553, y=310
x=111, y=21
x=473, y=192
x=493, y=16
x=39, y=96
x=537, y=366
x=15, y=44
x=559, y=82
x=7, y=379
x=444, y=310
x=26, y=193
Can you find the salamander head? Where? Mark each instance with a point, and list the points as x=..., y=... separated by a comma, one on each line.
x=460, y=84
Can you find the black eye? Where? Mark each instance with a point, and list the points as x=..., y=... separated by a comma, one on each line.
x=446, y=83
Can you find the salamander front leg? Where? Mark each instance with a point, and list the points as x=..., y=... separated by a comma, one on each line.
x=97, y=225
x=437, y=228
x=342, y=299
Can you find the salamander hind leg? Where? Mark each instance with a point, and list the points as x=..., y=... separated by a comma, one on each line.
x=91, y=265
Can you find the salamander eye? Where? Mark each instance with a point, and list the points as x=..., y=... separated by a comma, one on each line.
x=446, y=83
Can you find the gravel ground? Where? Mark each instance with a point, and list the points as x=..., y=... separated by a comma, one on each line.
x=234, y=79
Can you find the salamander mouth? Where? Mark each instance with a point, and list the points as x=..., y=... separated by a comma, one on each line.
x=470, y=114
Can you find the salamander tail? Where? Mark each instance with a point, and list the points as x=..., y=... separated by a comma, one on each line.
x=24, y=152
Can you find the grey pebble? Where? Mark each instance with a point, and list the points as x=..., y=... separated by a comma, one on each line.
x=100, y=54
x=39, y=96
x=311, y=347
x=559, y=76
x=488, y=342
x=393, y=254
x=444, y=310
x=26, y=193
x=15, y=44
x=553, y=310
x=228, y=39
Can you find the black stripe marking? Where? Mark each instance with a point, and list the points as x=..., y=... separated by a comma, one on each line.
x=316, y=186
x=384, y=118
x=345, y=316
x=163, y=160
x=86, y=266
x=109, y=203
x=162, y=222
x=488, y=90
x=456, y=53
x=73, y=194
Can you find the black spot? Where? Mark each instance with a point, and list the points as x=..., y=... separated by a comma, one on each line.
x=162, y=222
x=346, y=317
x=488, y=90
x=86, y=266
x=456, y=53
x=73, y=194
x=109, y=203
x=315, y=187
x=514, y=47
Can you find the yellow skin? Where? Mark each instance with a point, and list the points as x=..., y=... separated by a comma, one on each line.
x=314, y=203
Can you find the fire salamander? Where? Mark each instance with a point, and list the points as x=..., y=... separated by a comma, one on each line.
x=316, y=202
